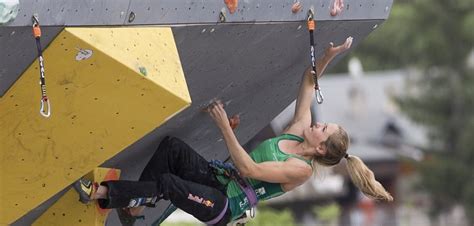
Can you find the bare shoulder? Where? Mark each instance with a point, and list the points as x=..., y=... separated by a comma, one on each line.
x=303, y=170
x=300, y=168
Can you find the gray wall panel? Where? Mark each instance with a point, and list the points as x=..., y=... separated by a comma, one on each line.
x=72, y=12
x=117, y=12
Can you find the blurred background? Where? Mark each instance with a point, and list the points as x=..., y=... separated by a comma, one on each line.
x=406, y=96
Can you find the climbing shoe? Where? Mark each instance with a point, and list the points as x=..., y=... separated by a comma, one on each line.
x=126, y=217
x=85, y=188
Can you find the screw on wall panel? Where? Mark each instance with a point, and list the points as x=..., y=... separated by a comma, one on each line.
x=131, y=17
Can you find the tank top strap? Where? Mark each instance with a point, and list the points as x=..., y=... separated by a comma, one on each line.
x=289, y=136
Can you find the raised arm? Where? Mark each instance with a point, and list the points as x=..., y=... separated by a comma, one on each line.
x=306, y=92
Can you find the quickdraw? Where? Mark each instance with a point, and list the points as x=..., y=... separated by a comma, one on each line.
x=311, y=27
x=45, y=109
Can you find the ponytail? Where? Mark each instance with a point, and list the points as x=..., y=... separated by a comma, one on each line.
x=364, y=179
x=336, y=146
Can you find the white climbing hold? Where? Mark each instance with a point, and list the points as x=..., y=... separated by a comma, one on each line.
x=8, y=10
x=83, y=54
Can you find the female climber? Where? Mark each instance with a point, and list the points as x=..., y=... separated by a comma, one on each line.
x=216, y=193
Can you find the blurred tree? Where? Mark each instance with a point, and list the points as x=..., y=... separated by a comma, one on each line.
x=437, y=38
x=329, y=214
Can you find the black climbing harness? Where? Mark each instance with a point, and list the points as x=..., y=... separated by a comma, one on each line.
x=228, y=170
x=45, y=109
x=311, y=27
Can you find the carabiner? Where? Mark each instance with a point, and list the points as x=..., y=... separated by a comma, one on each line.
x=252, y=212
x=310, y=14
x=34, y=20
x=46, y=113
x=319, y=96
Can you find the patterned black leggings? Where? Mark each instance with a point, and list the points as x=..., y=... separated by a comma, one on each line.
x=176, y=173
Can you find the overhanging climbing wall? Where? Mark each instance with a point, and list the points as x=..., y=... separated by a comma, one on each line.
x=252, y=60
x=108, y=87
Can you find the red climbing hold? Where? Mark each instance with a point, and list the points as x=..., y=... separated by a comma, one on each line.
x=234, y=121
x=231, y=5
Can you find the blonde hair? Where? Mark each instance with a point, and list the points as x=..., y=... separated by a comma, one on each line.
x=336, y=146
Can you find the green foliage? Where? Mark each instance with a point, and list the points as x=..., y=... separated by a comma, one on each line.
x=392, y=33
x=422, y=33
x=267, y=216
x=328, y=213
x=436, y=37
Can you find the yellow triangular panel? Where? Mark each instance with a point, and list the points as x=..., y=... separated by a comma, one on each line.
x=103, y=99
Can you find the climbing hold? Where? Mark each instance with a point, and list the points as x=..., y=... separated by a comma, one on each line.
x=231, y=5
x=83, y=54
x=142, y=71
x=296, y=7
x=337, y=7
x=234, y=121
x=131, y=17
x=8, y=11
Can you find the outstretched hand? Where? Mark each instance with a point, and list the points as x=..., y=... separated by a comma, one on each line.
x=218, y=114
x=332, y=50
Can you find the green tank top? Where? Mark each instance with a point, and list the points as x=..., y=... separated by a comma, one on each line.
x=266, y=151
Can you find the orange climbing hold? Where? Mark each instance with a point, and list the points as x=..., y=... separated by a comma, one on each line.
x=231, y=5
x=234, y=121
x=296, y=7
